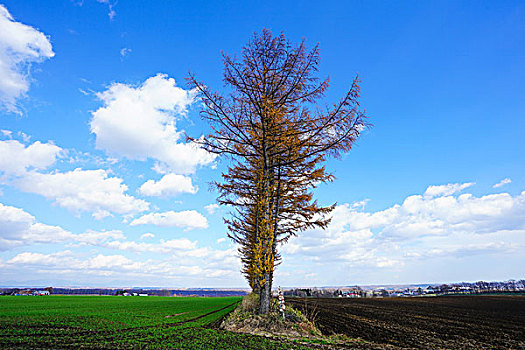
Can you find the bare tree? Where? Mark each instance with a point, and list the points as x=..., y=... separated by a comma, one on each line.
x=277, y=140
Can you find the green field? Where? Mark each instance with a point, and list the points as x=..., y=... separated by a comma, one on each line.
x=110, y=322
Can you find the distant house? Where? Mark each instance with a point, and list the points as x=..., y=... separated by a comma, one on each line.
x=143, y=295
x=430, y=290
x=41, y=292
x=352, y=294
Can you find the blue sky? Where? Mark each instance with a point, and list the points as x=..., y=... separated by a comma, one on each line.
x=98, y=188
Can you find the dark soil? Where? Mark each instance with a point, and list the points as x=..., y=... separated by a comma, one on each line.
x=449, y=322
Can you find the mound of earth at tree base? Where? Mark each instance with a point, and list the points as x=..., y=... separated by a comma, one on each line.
x=449, y=322
x=244, y=319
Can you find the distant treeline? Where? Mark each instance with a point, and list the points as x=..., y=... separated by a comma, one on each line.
x=133, y=291
x=480, y=287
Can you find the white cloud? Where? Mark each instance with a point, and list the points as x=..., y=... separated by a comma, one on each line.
x=169, y=185
x=111, y=8
x=503, y=182
x=211, y=208
x=221, y=240
x=467, y=249
x=42, y=233
x=446, y=190
x=78, y=190
x=110, y=261
x=7, y=133
x=140, y=123
x=25, y=137
x=188, y=219
x=147, y=235
x=98, y=237
x=124, y=52
x=177, y=262
x=20, y=45
x=182, y=268
x=16, y=158
x=29, y=258
x=459, y=225
x=83, y=190
x=14, y=221
x=17, y=228
x=67, y=259
x=182, y=245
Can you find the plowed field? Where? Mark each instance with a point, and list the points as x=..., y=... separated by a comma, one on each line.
x=450, y=322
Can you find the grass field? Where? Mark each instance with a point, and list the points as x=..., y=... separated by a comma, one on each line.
x=109, y=322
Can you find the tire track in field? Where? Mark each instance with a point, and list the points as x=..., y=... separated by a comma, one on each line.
x=196, y=318
x=167, y=325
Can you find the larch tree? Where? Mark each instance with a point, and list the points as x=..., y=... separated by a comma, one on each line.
x=278, y=140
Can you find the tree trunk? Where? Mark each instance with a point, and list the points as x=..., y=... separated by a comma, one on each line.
x=271, y=284
x=264, y=297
